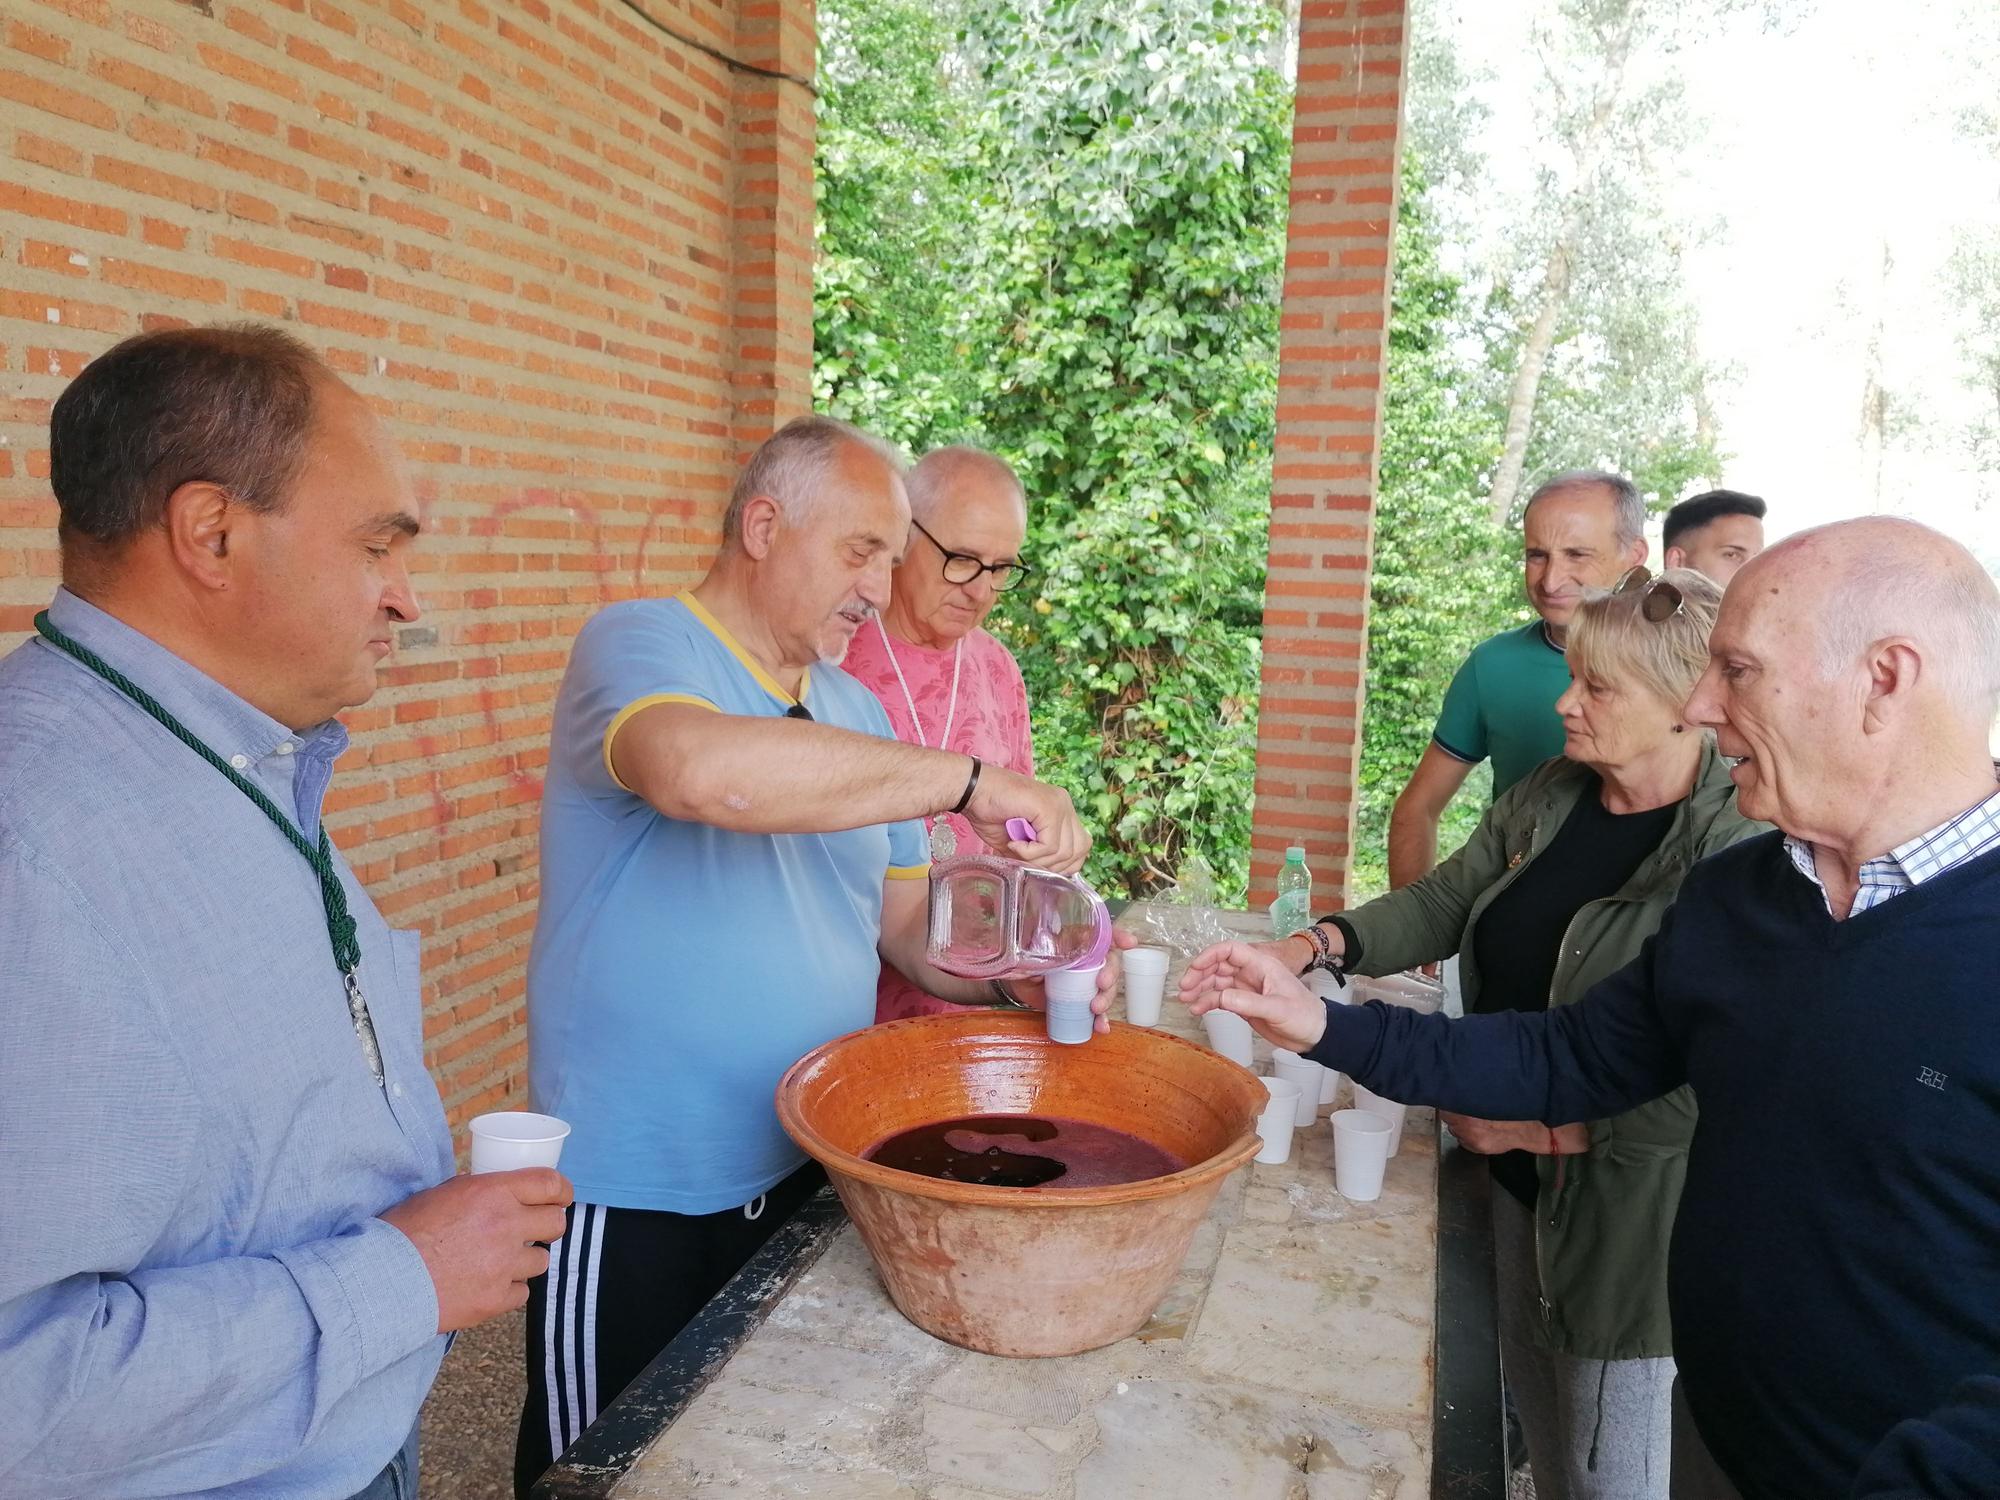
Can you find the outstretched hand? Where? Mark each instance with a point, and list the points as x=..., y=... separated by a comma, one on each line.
x=1252, y=981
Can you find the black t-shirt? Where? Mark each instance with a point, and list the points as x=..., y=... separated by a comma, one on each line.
x=1519, y=937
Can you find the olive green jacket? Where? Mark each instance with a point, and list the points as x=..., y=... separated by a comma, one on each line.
x=1601, y=1236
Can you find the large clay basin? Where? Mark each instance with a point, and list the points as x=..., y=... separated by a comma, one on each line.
x=1022, y=1271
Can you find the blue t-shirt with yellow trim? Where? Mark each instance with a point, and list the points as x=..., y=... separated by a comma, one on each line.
x=1502, y=703
x=678, y=969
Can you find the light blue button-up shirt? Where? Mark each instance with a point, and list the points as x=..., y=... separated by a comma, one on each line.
x=195, y=1295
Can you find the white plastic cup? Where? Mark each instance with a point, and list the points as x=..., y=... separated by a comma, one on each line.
x=1327, y=987
x=1360, y=1152
x=1070, y=992
x=1276, y=1124
x=513, y=1138
x=1388, y=1109
x=1306, y=1074
x=1229, y=1034
x=1145, y=984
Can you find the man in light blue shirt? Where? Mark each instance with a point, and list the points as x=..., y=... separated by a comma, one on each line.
x=731, y=847
x=229, y=1261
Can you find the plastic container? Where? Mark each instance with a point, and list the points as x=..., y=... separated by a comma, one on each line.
x=991, y=916
x=1292, y=911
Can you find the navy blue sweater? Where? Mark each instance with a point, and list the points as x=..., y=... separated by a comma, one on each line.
x=1835, y=1268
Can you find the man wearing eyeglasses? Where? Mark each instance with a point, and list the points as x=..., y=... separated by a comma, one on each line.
x=733, y=845
x=945, y=682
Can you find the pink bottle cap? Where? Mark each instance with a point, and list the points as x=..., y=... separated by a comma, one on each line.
x=1021, y=830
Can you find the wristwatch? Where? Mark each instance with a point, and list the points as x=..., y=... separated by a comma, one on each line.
x=1003, y=997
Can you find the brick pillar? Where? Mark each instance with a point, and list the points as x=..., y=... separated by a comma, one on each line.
x=773, y=209
x=1333, y=346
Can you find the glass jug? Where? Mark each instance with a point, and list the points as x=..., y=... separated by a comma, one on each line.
x=991, y=916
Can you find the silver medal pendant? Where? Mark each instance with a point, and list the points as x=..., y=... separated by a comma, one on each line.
x=364, y=1029
x=944, y=843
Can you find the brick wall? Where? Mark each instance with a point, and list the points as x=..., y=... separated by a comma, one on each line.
x=566, y=253
x=1335, y=327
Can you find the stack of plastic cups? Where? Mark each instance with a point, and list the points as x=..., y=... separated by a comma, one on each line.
x=1327, y=987
x=1279, y=1119
x=1229, y=1034
x=1070, y=992
x=1145, y=984
x=1388, y=1109
x=1360, y=1153
x=1304, y=1072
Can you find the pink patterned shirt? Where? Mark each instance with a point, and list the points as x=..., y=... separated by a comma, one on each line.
x=991, y=722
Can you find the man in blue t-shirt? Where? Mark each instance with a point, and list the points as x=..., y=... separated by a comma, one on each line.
x=1582, y=530
x=731, y=848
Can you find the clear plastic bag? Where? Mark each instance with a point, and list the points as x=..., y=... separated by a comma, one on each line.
x=1184, y=917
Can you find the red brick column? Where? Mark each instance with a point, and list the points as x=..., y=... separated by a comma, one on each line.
x=1336, y=310
x=773, y=208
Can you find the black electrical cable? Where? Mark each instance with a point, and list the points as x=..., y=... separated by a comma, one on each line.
x=724, y=58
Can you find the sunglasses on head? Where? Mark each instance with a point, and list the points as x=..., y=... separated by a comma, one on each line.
x=1659, y=600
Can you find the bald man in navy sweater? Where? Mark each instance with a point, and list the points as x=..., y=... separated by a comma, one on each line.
x=1832, y=992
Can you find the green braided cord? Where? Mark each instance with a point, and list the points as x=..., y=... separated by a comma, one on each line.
x=339, y=925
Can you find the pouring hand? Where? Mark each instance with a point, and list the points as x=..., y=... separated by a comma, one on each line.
x=1060, y=842
x=1252, y=981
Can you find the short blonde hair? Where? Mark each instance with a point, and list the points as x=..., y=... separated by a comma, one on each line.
x=1611, y=641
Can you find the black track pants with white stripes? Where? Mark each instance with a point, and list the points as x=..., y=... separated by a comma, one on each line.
x=621, y=1283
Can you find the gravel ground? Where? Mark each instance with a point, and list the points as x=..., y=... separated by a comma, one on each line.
x=469, y=1420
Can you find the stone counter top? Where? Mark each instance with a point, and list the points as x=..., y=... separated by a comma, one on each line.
x=1292, y=1358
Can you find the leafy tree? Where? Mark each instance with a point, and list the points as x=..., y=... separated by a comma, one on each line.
x=1142, y=168
x=1091, y=204
x=1583, y=309
x=1445, y=576
x=893, y=169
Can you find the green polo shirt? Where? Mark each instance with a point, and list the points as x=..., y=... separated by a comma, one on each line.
x=1502, y=703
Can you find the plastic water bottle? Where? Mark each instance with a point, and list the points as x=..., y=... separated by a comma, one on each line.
x=1292, y=911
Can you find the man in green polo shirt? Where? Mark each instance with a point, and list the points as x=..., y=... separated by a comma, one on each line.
x=1581, y=531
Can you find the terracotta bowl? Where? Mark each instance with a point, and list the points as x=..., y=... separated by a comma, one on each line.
x=1022, y=1271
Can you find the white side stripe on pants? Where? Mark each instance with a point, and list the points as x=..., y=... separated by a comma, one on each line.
x=572, y=1302
x=590, y=1318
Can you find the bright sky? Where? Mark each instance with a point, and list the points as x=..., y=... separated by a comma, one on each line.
x=1824, y=142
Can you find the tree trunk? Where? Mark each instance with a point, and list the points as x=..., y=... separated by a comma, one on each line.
x=1556, y=272
x=1528, y=376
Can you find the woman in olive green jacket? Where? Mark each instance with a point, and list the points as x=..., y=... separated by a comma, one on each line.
x=1568, y=874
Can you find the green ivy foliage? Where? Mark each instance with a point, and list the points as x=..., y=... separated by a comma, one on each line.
x=1445, y=578
x=1101, y=308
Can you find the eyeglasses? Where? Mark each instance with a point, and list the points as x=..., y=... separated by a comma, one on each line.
x=963, y=567
x=1659, y=601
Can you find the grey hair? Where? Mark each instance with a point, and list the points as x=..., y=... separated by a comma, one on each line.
x=929, y=480
x=1611, y=640
x=1628, y=505
x=791, y=466
x=1948, y=604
